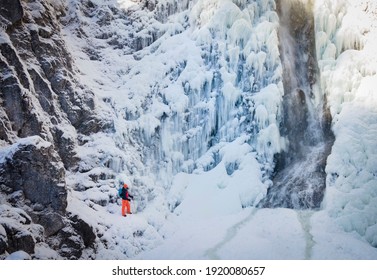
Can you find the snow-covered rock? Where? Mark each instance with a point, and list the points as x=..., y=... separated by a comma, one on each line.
x=33, y=167
x=3, y=240
x=43, y=109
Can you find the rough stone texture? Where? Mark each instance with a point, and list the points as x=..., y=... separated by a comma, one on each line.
x=43, y=109
x=65, y=146
x=16, y=105
x=36, y=169
x=38, y=232
x=39, y=94
x=51, y=221
x=19, y=239
x=68, y=243
x=11, y=10
x=84, y=230
x=3, y=240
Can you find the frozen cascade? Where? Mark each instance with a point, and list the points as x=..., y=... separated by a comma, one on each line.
x=228, y=85
x=299, y=179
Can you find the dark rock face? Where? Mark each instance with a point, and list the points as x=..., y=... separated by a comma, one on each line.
x=68, y=243
x=36, y=169
x=37, y=74
x=3, y=240
x=21, y=232
x=19, y=239
x=72, y=238
x=51, y=221
x=11, y=10
x=84, y=230
x=43, y=108
x=18, y=119
x=65, y=145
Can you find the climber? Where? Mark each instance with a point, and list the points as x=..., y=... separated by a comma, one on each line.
x=126, y=197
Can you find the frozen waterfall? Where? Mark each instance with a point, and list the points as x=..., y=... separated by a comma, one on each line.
x=299, y=179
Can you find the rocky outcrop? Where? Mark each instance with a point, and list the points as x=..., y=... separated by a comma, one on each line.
x=40, y=94
x=16, y=231
x=34, y=167
x=33, y=178
x=43, y=109
x=11, y=11
x=19, y=239
x=3, y=240
x=84, y=230
x=19, y=232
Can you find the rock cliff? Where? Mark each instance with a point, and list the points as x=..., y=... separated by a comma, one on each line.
x=43, y=109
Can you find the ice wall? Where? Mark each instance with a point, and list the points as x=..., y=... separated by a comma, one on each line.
x=346, y=44
x=219, y=77
x=191, y=87
x=180, y=79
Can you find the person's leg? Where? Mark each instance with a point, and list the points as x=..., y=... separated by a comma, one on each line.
x=128, y=205
x=124, y=206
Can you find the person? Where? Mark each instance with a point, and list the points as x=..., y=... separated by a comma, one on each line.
x=126, y=197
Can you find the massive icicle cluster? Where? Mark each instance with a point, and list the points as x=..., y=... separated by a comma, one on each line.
x=346, y=46
x=187, y=85
x=213, y=74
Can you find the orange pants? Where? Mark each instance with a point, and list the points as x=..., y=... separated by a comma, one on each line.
x=126, y=207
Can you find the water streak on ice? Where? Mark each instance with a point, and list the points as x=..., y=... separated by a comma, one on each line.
x=300, y=178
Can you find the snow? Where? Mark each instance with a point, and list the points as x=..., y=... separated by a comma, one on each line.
x=196, y=126
x=19, y=255
x=348, y=67
x=266, y=234
x=269, y=234
x=125, y=4
x=36, y=141
x=209, y=193
x=44, y=252
x=121, y=237
x=331, y=242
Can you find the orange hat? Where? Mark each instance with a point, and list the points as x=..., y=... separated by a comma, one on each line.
x=125, y=186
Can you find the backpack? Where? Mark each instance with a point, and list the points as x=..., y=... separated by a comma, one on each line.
x=120, y=192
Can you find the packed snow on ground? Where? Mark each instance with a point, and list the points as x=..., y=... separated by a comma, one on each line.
x=210, y=223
